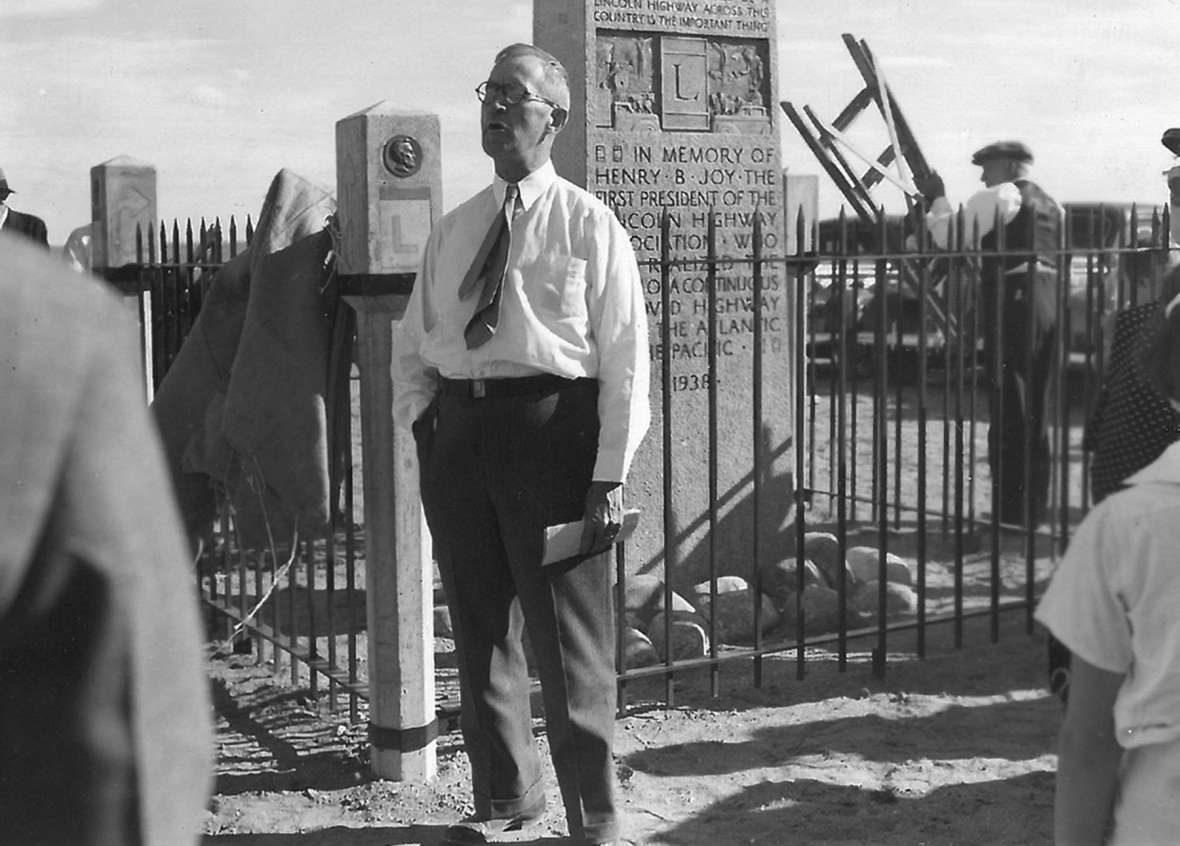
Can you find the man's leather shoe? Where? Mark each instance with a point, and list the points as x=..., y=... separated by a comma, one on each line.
x=466, y=833
x=475, y=830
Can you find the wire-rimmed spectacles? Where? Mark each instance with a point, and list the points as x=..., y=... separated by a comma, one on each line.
x=510, y=94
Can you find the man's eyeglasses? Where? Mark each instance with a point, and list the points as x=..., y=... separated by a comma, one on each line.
x=509, y=94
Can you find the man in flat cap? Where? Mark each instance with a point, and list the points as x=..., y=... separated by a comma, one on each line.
x=1020, y=225
x=19, y=223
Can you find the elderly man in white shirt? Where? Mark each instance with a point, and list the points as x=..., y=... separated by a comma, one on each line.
x=1018, y=269
x=523, y=372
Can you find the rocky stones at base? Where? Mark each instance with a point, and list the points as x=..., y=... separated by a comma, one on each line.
x=685, y=638
x=900, y=600
x=864, y=562
x=647, y=639
x=730, y=602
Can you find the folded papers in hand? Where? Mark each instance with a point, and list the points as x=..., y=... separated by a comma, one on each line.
x=563, y=540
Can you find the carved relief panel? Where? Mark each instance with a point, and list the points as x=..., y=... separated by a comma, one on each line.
x=626, y=77
x=652, y=81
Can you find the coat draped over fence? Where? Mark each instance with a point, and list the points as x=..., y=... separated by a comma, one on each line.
x=244, y=405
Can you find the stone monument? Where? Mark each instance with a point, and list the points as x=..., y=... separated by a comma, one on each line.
x=122, y=201
x=674, y=108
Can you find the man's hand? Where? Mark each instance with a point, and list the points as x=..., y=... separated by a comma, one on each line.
x=930, y=185
x=603, y=516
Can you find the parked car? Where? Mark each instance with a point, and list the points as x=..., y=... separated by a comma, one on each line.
x=851, y=278
x=1104, y=247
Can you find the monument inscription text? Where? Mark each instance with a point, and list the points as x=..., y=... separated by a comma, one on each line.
x=681, y=124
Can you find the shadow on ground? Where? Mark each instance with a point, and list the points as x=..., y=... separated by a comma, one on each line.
x=271, y=741
x=411, y=835
x=956, y=732
x=1013, y=810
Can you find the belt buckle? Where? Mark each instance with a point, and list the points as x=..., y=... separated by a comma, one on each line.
x=478, y=388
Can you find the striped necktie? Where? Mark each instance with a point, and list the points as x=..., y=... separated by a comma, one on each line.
x=488, y=268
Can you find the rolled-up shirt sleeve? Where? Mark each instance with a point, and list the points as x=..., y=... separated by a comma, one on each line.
x=618, y=322
x=1080, y=606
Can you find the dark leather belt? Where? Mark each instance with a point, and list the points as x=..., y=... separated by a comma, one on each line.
x=520, y=386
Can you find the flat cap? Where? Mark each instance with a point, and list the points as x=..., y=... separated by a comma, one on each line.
x=1002, y=150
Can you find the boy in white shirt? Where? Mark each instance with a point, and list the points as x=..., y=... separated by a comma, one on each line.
x=1113, y=602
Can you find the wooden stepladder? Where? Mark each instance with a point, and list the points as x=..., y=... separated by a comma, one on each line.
x=832, y=150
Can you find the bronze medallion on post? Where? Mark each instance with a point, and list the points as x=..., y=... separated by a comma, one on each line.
x=402, y=156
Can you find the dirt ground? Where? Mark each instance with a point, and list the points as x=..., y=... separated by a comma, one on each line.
x=955, y=748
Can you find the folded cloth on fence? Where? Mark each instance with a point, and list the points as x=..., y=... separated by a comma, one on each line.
x=104, y=705
x=244, y=402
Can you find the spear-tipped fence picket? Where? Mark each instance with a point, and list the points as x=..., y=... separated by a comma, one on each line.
x=175, y=272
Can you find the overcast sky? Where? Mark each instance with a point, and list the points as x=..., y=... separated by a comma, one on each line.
x=221, y=94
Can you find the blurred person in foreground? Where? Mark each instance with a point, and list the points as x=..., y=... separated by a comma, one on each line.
x=19, y=223
x=1025, y=275
x=522, y=370
x=1113, y=602
x=105, y=729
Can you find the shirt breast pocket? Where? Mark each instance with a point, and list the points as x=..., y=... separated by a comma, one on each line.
x=560, y=285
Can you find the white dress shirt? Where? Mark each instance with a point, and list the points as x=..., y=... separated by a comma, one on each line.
x=980, y=212
x=572, y=305
x=1113, y=602
x=1114, y=597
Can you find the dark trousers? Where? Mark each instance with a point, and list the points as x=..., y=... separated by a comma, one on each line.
x=495, y=472
x=1017, y=440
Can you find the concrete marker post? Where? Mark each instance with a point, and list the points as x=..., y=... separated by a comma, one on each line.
x=389, y=194
x=122, y=200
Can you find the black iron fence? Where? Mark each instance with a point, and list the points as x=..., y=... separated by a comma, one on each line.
x=894, y=497
x=176, y=270
x=895, y=525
